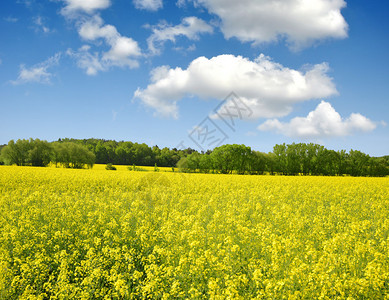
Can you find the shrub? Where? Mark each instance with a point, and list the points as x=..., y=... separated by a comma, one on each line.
x=110, y=167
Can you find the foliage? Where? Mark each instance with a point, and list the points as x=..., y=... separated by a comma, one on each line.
x=182, y=164
x=292, y=159
x=40, y=153
x=72, y=155
x=137, y=169
x=228, y=158
x=87, y=234
x=128, y=153
x=27, y=152
x=110, y=167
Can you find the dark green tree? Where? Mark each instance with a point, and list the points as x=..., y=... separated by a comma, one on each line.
x=258, y=162
x=40, y=153
x=72, y=155
x=280, y=158
x=16, y=152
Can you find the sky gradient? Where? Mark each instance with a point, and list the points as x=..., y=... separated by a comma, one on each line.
x=162, y=72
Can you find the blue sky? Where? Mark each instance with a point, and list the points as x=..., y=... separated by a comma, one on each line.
x=162, y=72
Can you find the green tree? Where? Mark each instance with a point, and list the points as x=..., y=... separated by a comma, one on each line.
x=280, y=158
x=193, y=161
x=72, y=155
x=293, y=159
x=258, y=162
x=205, y=164
x=61, y=155
x=358, y=163
x=40, y=153
x=122, y=157
x=271, y=163
x=16, y=153
x=378, y=166
x=229, y=158
x=343, y=162
x=182, y=165
x=101, y=153
x=222, y=158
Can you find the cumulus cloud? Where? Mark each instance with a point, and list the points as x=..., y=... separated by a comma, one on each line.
x=122, y=48
x=267, y=88
x=73, y=7
x=122, y=53
x=300, y=22
x=190, y=27
x=151, y=5
x=38, y=73
x=323, y=122
x=94, y=28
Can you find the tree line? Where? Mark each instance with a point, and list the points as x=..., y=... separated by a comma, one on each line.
x=292, y=159
x=41, y=153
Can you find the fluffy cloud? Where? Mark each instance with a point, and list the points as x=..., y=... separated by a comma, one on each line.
x=152, y=5
x=38, y=73
x=122, y=48
x=267, y=88
x=324, y=121
x=190, y=27
x=94, y=28
x=300, y=22
x=122, y=53
x=88, y=6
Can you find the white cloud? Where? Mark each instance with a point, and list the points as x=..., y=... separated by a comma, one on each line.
x=123, y=50
x=88, y=6
x=267, y=88
x=151, y=5
x=38, y=73
x=190, y=27
x=121, y=47
x=27, y=3
x=323, y=122
x=90, y=62
x=11, y=19
x=93, y=29
x=300, y=22
x=181, y=3
x=185, y=50
x=191, y=48
x=40, y=25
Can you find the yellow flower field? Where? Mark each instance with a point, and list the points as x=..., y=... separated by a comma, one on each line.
x=97, y=234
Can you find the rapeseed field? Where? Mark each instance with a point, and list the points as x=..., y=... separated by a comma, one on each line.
x=97, y=234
